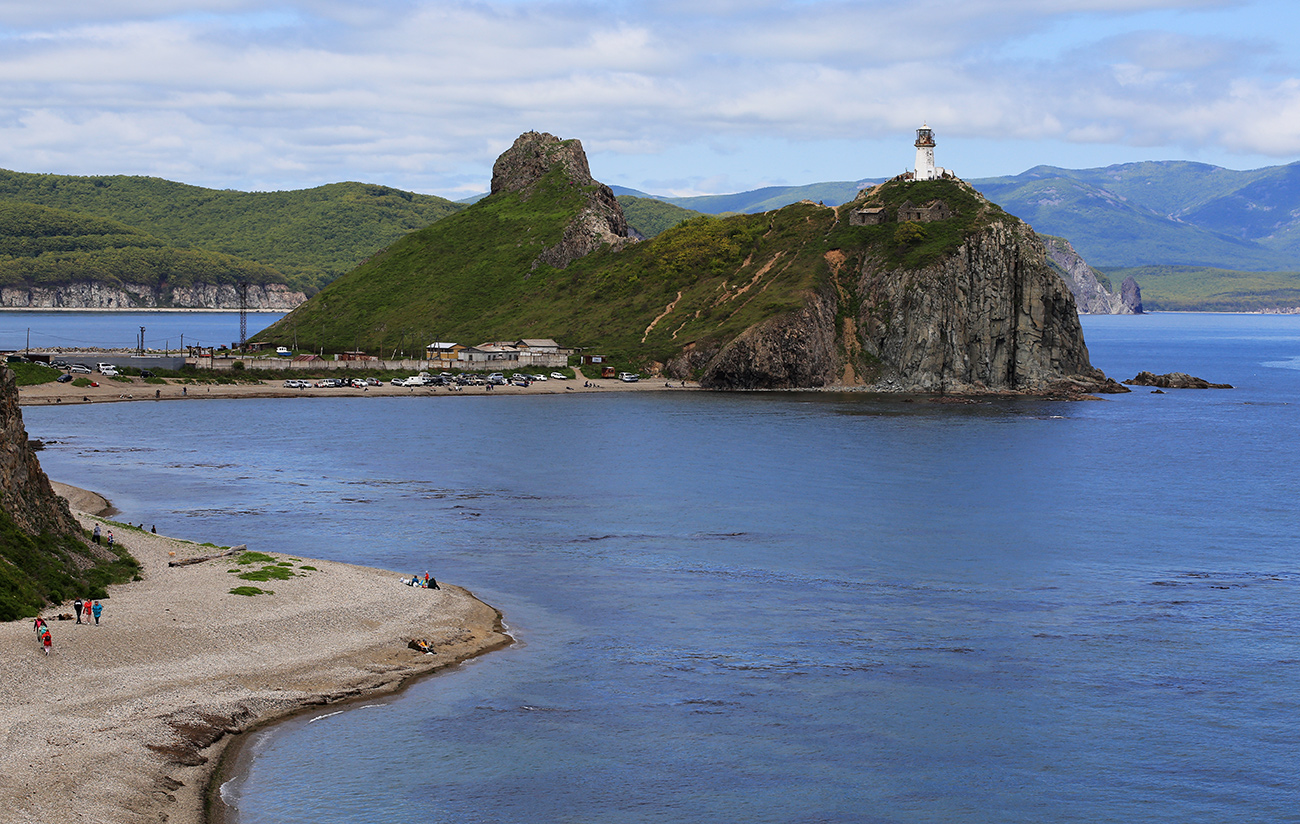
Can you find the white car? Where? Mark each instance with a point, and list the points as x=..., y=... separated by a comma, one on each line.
x=80, y=369
x=107, y=370
x=559, y=377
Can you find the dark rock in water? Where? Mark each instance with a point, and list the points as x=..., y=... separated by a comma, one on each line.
x=1157, y=391
x=1131, y=295
x=1174, y=380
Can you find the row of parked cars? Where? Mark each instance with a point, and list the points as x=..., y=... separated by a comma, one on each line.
x=426, y=379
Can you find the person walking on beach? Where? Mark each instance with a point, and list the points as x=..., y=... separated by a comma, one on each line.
x=76, y=606
x=110, y=539
x=38, y=625
x=98, y=608
x=47, y=641
x=95, y=535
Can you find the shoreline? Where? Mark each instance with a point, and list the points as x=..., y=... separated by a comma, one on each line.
x=113, y=391
x=135, y=720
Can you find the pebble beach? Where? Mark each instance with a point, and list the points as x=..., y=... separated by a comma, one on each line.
x=127, y=721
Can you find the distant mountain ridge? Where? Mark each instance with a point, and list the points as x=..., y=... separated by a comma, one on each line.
x=1165, y=213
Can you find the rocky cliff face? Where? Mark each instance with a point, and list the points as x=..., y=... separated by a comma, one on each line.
x=601, y=220
x=1090, y=295
x=25, y=492
x=99, y=295
x=989, y=317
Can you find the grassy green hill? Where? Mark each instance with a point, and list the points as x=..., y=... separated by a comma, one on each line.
x=468, y=278
x=43, y=246
x=310, y=235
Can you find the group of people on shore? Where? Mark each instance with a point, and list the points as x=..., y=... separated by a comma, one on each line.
x=42, y=628
x=426, y=583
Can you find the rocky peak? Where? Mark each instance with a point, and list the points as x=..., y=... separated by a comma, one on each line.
x=599, y=222
x=532, y=156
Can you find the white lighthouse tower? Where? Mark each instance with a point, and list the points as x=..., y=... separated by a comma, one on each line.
x=925, y=168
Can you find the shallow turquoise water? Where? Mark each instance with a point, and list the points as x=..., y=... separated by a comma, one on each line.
x=780, y=608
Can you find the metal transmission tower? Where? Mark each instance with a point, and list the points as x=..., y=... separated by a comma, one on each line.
x=243, y=314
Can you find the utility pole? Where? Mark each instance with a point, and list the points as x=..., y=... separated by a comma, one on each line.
x=243, y=314
x=140, y=349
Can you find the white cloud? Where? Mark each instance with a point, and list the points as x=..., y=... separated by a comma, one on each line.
x=424, y=94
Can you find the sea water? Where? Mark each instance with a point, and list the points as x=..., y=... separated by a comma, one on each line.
x=22, y=329
x=783, y=607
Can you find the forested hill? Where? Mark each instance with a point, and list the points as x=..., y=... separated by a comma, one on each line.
x=310, y=235
x=44, y=247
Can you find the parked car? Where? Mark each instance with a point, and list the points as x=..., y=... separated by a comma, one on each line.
x=559, y=376
x=64, y=378
x=102, y=366
x=358, y=383
x=629, y=377
x=374, y=382
x=398, y=381
x=58, y=364
x=80, y=369
x=145, y=373
x=414, y=380
x=537, y=377
x=108, y=371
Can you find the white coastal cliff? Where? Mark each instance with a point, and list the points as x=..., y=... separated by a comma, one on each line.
x=101, y=295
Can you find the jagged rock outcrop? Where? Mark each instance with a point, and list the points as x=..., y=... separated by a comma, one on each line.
x=989, y=317
x=1090, y=294
x=1174, y=380
x=99, y=295
x=600, y=221
x=1131, y=295
x=25, y=491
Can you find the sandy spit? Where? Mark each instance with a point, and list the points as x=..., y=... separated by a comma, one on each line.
x=125, y=721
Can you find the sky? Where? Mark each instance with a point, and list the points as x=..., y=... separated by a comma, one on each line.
x=671, y=97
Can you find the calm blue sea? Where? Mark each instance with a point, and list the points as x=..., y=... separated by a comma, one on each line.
x=784, y=607
x=37, y=329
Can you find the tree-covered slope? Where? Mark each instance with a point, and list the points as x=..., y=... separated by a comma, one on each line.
x=311, y=235
x=650, y=217
x=43, y=246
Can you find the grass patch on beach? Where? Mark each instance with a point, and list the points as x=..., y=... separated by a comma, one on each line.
x=33, y=374
x=267, y=573
x=254, y=558
x=83, y=381
x=308, y=568
x=251, y=591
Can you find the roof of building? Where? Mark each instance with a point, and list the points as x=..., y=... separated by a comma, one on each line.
x=538, y=343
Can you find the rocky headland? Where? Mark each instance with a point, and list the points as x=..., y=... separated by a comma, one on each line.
x=1090, y=294
x=988, y=316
